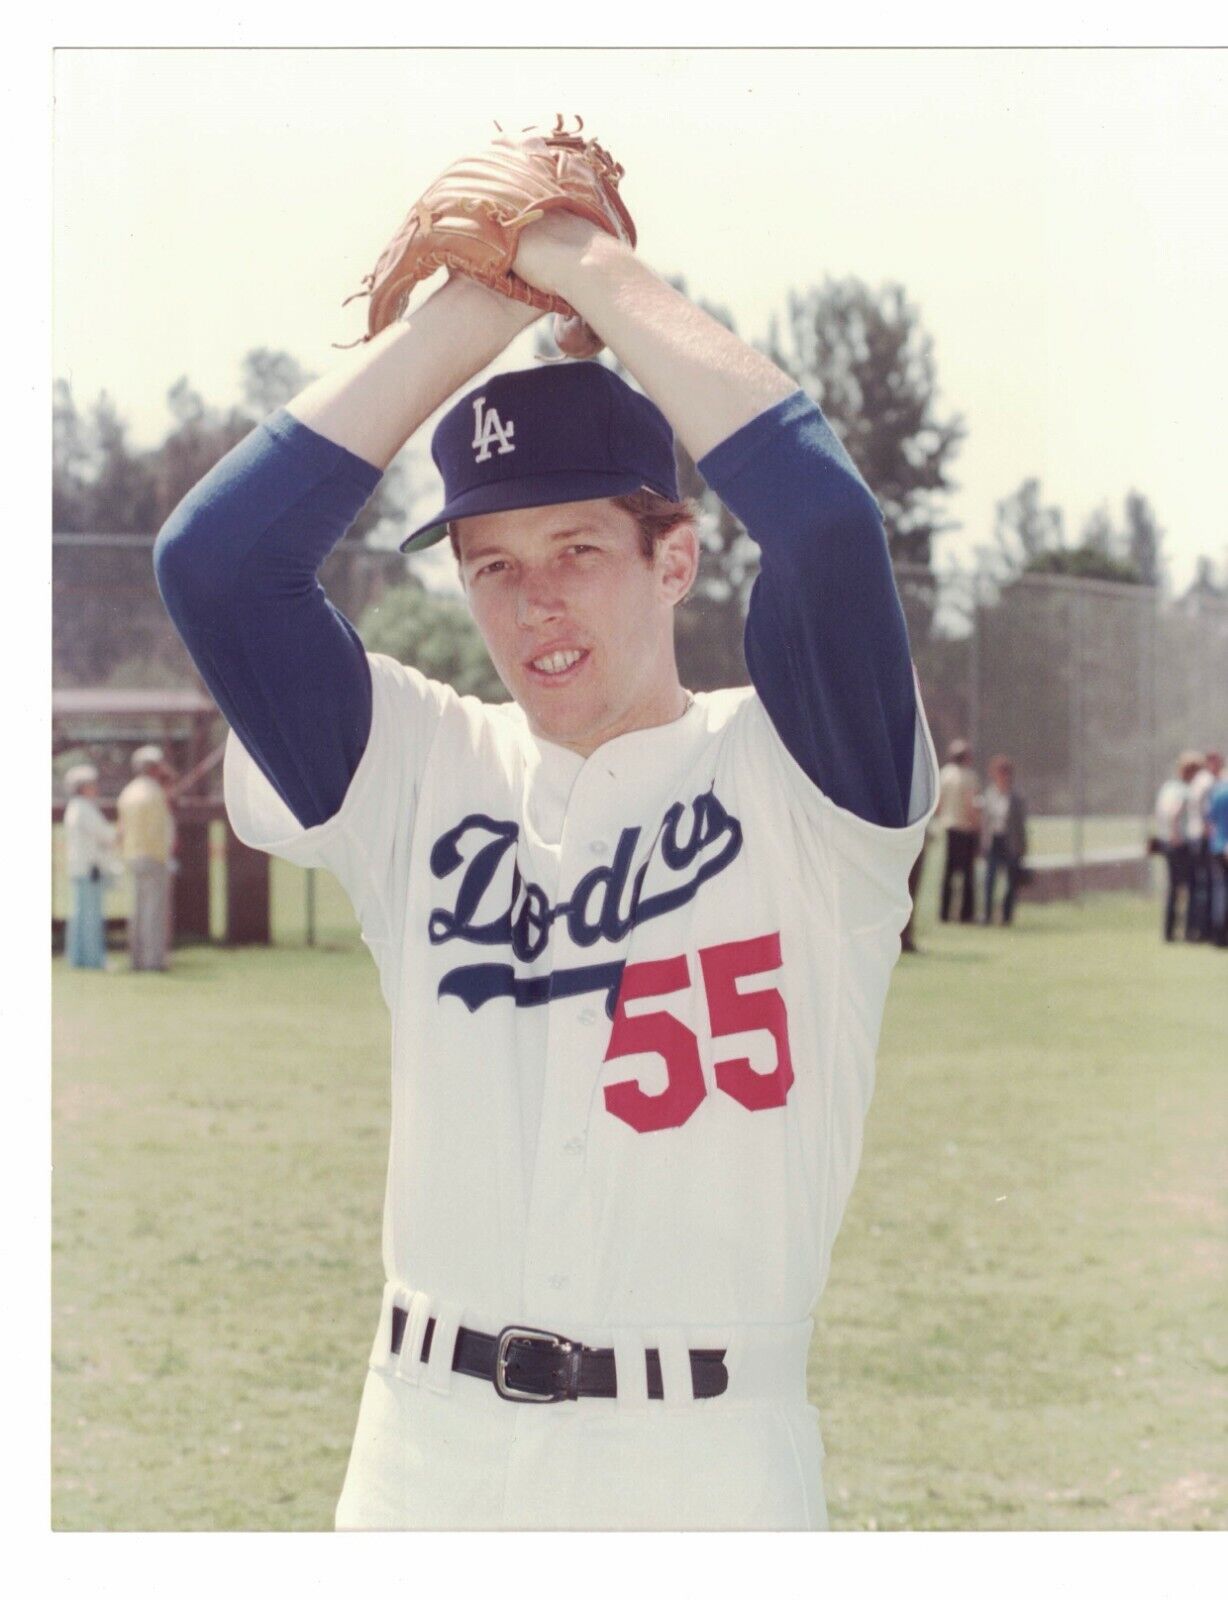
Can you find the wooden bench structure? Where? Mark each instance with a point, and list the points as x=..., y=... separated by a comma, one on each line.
x=186, y=723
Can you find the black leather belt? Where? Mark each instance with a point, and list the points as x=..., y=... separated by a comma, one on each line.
x=532, y=1366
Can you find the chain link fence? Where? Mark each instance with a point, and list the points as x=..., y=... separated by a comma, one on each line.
x=1092, y=688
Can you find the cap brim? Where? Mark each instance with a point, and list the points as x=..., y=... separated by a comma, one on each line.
x=519, y=494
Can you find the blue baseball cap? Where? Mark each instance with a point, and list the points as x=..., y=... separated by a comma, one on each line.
x=568, y=431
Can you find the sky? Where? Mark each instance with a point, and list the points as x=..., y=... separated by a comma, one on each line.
x=1051, y=213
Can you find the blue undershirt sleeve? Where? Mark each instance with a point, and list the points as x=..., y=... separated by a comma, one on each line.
x=826, y=642
x=236, y=563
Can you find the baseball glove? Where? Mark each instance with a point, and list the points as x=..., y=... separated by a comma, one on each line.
x=470, y=219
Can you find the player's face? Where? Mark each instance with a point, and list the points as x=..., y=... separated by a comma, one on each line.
x=577, y=620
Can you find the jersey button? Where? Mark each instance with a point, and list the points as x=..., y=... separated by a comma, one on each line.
x=588, y=1016
x=558, y=1280
x=599, y=848
x=573, y=1145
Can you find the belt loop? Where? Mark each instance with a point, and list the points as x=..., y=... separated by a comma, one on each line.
x=409, y=1363
x=676, y=1383
x=630, y=1371
x=732, y=1340
x=395, y=1294
x=438, y=1369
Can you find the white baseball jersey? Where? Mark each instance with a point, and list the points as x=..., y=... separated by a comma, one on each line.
x=635, y=1004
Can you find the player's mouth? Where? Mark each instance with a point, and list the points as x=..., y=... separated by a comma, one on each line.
x=556, y=667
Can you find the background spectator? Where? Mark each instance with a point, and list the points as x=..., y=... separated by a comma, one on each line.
x=166, y=776
x=959, y=813
x=1217, y=841
x=1006, y=830
x=1172, y=830
x=145, y=836
x=1201, y=784
x=89, y=839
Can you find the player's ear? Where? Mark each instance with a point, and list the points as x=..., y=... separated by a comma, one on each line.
x=677, y=560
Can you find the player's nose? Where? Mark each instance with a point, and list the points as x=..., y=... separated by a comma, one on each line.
x=538, y=599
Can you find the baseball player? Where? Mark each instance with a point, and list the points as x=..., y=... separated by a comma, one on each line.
x=635, y=942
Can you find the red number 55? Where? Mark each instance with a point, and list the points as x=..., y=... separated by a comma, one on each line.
x=729, y=1011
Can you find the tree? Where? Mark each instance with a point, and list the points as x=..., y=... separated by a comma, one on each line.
x=269, y=379
x=123, y=488
x=864, y=357
x=199, y=439
x=106, y=613
x=434, y=633
x=70, y=462
x=1099, y=533
x=1025, y=530
x=1085, y=561
x=1208, y=584
x=1030, y=537
x=1144, y=539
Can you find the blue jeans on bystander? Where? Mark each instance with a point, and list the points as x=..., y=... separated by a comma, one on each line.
x=999, y=859
x=86, y=941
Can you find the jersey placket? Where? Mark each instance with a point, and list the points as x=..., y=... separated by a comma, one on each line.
x=558, y=1245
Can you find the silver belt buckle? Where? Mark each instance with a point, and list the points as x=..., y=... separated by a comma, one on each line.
x=506, y=1390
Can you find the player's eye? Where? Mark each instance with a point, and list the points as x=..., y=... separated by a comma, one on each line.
x=491, y=567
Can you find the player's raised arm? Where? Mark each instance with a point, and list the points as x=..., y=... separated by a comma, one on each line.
x=826, y=642
x=237, y=560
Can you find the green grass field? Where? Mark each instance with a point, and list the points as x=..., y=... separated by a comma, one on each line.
x=1025, y=1322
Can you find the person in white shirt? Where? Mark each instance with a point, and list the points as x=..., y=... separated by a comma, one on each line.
x=1006, y=835
x=959, y=812
x=1173, y=832
x=90, y=839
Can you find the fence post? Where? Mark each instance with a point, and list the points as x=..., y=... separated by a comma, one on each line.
x=1077, y=754
x=1148, y=697
x=190, y=885
x=974, y=670
x=311, y=906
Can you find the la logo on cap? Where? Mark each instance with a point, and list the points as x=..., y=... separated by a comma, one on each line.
x=488, y=430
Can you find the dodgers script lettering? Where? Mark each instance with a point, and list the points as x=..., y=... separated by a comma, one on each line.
x=492, y=905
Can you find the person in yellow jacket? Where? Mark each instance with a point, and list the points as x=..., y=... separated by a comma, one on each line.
x=145, y=834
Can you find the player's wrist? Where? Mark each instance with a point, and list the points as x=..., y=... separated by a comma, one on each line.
x=563, y=252
x=586, y=271
x=473, y=300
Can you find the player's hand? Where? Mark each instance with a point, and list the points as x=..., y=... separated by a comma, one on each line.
x=551, y=256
